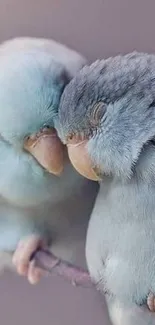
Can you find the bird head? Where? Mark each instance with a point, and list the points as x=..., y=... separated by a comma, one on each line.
x=31, y=84
x=107, y=115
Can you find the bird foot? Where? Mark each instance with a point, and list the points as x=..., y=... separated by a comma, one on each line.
x=22, y=260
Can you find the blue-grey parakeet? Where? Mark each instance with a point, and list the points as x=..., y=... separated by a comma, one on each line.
x=39, y=189
x=107, y=120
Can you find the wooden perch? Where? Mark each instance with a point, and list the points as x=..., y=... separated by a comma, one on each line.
x=54, y=265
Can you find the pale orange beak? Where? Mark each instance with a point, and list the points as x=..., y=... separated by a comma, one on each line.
x=47, y=149
x=81, y=161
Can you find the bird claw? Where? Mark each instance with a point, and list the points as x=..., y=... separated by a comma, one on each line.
x=22, y=258
x=74, y=284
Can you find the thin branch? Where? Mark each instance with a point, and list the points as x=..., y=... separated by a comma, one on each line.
x=49, y=262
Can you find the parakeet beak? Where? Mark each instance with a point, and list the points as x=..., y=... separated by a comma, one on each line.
x=47, y=149
x=81, y=161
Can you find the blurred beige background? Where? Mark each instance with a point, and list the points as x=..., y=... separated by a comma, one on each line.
x=97, y=28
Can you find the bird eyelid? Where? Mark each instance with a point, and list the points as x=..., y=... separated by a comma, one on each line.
x=98, y=111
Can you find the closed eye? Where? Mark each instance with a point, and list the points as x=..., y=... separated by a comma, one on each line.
x=98, y=111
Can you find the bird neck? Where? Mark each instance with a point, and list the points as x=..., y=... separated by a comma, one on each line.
x=143, y=169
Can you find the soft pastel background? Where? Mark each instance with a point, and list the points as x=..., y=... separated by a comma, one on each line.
x=97, y=28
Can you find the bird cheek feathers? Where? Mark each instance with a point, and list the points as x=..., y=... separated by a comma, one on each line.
x=47, y=149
